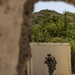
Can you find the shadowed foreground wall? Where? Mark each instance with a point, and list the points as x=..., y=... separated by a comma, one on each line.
x=14, y=29
x=10, y=28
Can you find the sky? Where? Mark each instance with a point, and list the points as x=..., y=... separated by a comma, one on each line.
x=57, y=6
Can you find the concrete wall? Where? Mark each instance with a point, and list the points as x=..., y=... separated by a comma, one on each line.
x=60, y=51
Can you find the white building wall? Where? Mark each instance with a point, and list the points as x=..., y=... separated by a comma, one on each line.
x=60, y=51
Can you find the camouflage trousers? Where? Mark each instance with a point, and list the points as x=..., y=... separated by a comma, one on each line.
x=50, y=71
